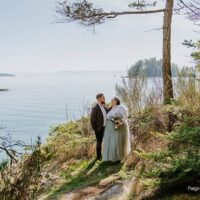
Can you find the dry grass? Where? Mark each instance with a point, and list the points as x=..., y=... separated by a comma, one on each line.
x=188, y=92
x=132, y=92
x=69, y=146
x=150, y=130
x=67, y=142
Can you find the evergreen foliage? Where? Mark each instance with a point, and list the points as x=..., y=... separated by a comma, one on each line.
x=150, y=67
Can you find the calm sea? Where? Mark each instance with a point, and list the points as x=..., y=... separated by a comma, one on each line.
x=35, y=103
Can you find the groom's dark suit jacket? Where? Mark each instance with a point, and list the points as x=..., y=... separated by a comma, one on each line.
x=97, y=118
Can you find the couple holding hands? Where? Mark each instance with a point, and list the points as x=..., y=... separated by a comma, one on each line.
x=111, y=129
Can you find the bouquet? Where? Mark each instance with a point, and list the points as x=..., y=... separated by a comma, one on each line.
x=118, y=121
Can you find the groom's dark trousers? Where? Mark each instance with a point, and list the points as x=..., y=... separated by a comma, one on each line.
x=97, y=125
x=99, y=138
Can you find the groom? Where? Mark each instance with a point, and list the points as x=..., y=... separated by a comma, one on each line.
x=98, y=122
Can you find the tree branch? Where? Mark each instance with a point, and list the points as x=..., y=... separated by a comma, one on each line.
x=85, y=13
x=112, y=13
x=7, y=145
x=191, y=9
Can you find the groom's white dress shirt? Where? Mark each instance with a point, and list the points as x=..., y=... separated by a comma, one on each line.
x=104, y=114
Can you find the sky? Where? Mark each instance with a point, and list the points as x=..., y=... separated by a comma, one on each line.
x=32, y=41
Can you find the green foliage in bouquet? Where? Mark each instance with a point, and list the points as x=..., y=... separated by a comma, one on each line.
x=118, y=121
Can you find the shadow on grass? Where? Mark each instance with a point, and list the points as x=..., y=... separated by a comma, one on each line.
x=92, y=174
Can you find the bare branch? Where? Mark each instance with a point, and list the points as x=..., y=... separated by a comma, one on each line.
x=155, y=29
x=191, y=9
x=8, y=145
x=85, y=13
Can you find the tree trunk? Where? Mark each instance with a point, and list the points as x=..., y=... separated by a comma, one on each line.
x=167, y=73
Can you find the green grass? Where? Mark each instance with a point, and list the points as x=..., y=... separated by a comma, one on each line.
x=90, y=173
x=183, y=197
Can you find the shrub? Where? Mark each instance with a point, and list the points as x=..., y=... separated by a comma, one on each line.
x=177, y=167
x=20, y=179
x=72, y=140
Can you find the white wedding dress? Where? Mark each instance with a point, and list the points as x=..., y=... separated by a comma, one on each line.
x=116, y=142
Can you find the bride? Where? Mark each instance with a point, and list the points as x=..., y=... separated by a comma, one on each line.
x=116, y=140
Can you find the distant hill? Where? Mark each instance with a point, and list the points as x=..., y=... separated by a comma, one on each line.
x=151, y=68
x=6, y=74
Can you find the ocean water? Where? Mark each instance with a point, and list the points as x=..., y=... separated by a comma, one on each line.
x=35, y=103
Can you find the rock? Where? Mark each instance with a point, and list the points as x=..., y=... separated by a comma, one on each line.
x=87, y=193
x=107, y=181
x=118, y=191
x=111, y=192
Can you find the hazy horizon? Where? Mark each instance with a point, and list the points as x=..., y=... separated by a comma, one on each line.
x=65, y=71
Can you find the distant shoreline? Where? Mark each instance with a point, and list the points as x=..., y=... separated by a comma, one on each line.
x=6, y=75
x=3, y=89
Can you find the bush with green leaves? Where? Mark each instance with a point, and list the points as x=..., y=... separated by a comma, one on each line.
x=175, y=169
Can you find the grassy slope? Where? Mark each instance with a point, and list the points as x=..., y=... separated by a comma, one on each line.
x=169, y=151
x=70, y=155
x=159, y=160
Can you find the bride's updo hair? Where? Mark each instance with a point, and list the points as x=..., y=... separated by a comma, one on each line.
x=117, y=100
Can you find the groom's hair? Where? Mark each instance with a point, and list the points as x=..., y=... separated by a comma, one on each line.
x=99, y=95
